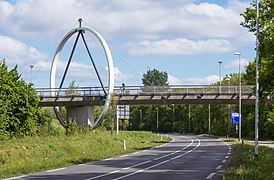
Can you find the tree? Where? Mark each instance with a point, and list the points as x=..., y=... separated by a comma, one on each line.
x=266, y=50
x=19, y=104
x=155, y=78
x=266, y=39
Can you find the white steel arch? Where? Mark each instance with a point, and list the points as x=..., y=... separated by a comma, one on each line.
x=110, y=68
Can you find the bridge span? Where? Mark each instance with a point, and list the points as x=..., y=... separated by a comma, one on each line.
x=141, y=95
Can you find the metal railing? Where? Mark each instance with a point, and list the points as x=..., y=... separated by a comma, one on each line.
x=144, y=90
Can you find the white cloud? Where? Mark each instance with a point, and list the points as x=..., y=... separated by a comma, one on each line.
x=16, y=52
x=173, y=80
x=119, y=76
x=179, y=47
x=201, y=80
x=119, y=18
x=235, y=64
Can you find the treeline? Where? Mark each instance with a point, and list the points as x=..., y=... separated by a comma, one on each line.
x=195, y=119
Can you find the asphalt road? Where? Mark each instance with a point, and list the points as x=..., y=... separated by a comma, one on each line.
x=186, y=157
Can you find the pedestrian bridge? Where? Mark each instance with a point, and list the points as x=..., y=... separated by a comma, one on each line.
x=141, y=95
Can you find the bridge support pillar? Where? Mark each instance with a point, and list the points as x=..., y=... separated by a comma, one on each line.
x=84, y=115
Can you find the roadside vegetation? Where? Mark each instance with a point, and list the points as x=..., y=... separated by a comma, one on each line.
x=245, y=165
x=34, y=154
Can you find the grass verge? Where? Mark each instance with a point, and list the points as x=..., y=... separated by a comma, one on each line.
x=33, y=154
x=245, y=165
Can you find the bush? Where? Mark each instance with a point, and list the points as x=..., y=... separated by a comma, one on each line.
x=19, y=104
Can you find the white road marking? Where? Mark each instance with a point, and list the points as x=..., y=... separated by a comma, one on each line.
x=161, y=157
x=223, y=161
x=16, y=177
x=124, y=155
x=210, y=176
x=112, y=172
x=108, y=159
x=126, y=168
x=163, y=162
x=226, y=157
x=219, y=167
x=53, y=170
x=135, y=153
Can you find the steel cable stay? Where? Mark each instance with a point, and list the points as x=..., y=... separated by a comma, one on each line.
x=129, y=64
x=107, y=92
x=69, y=61
x=93, y=63
x=45, y=63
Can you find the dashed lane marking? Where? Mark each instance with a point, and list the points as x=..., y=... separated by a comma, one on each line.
x=210, y=176
x=219, y=167
x=53, y=170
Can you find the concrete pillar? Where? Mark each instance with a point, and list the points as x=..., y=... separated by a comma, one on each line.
x=84, y=115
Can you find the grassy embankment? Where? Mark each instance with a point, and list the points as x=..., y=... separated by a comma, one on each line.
x=32, y=154
x=245, y=165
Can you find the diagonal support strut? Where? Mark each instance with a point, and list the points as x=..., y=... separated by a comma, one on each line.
x=91, y=59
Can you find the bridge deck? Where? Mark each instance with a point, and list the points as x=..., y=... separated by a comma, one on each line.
x=149, y=95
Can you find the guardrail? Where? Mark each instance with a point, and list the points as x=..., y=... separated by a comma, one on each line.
x=144, y=90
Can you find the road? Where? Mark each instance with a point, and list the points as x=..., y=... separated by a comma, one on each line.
x=185, y=157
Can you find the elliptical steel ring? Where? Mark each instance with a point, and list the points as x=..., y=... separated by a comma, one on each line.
x=110, y=72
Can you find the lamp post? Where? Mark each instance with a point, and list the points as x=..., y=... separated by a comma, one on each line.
x=209, y=119
x=228, y=78
x=189, y=118
x=141, y=117
x=240, y=96
x=31, y=66
x=173, y=112
x=257, y=80
x=220, y=71
x=157, y=120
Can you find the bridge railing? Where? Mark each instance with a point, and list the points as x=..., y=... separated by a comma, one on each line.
x=186, y=89
x=144, y=90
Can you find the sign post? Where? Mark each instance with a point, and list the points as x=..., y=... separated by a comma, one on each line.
x=235, y=117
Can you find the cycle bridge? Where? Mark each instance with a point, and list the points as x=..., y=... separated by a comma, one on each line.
x=142, y=95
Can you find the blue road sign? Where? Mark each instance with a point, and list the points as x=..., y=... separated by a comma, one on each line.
x=235, y=117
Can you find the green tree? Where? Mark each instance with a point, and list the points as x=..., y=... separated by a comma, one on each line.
x=266, y=62
x=147, y=122
x=269, y=125
x=155, y=78
x=266, y=39
x=19, y=104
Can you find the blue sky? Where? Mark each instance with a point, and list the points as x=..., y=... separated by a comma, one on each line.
x=185, y=38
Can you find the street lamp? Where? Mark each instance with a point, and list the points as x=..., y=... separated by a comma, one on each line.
x=141, y=118
x=228, y=78
x=189, y=118
x=240, y=96
x=257, y=80
x=173, y=112
x=209, y=120
x=220, y=62
x=157, y=119
x=31, y=66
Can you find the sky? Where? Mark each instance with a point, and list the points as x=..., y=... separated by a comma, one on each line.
x=185, y=38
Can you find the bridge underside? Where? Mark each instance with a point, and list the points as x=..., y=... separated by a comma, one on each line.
x=157, y=99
